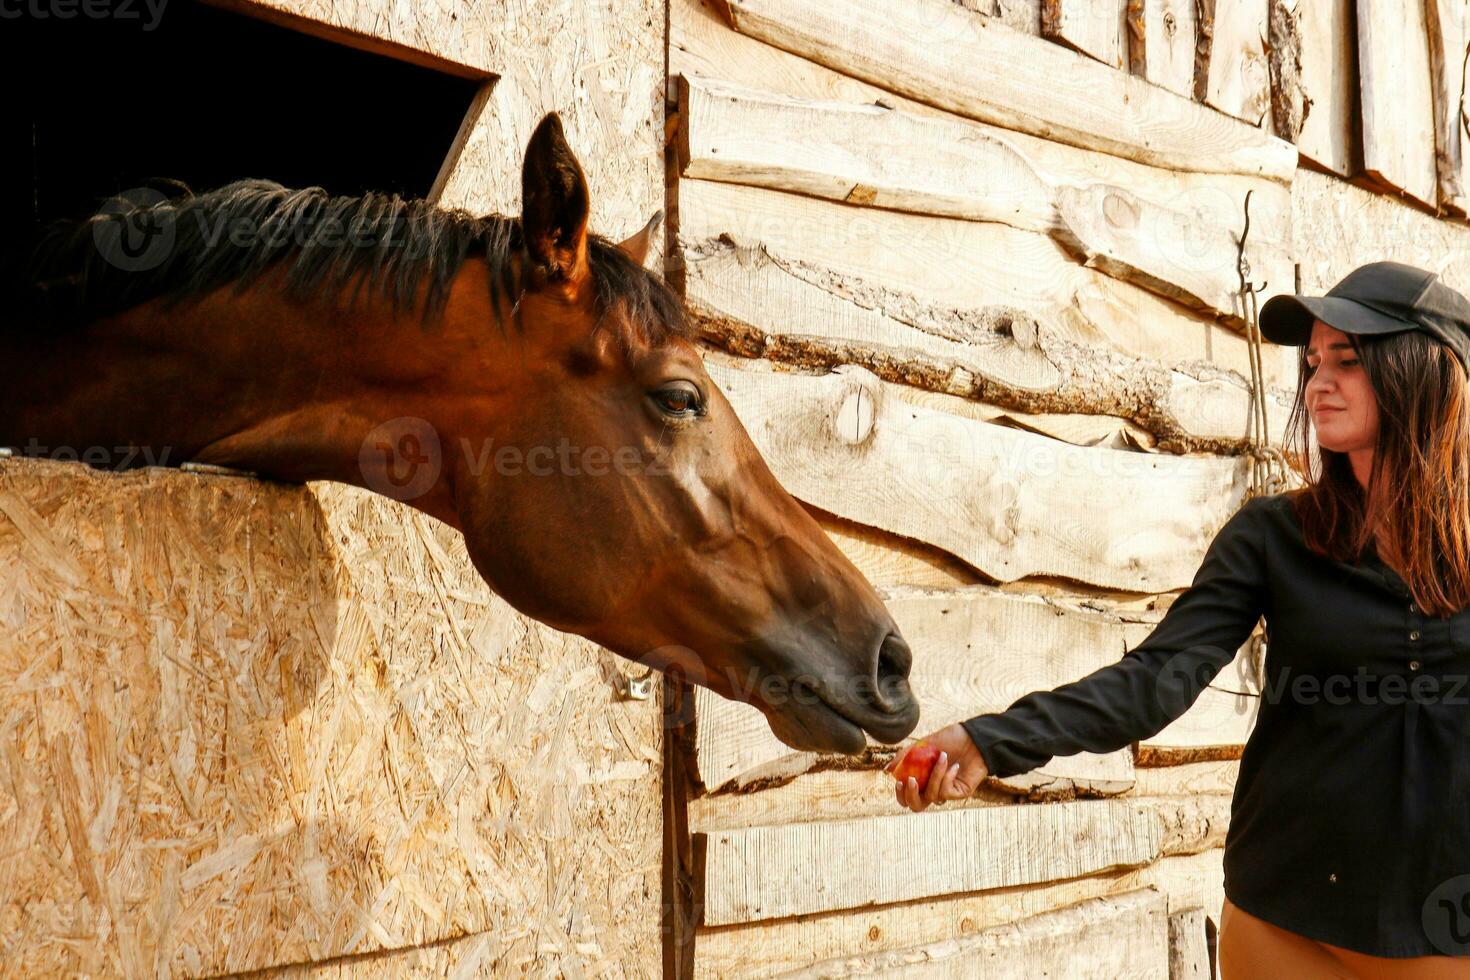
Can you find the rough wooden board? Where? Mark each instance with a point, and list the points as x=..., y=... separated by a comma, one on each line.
x=992, y=73
x=1097, y=28
x=701, y=43
x=1191, y=824
x=861, y=153
x=1329, y=79
x=1106, y=431
x=1111, y=229
x=870, y=155
x=1023, y=15
x=1447, y=27
x=1216, y=721
x=816, y=796
x=1191, y=881
x=1397, y=98
x=993, y=489
x=1123, y=936
x=887, y=559
x=949, y=265
x=1345, y=226
x=1168, y=44
x=1237, y=81
x=249, y=723
x=1190, y=779
x=1190, y=955
x=954, y=306
x=731, y=287
x=763, y=948
x=773, y=872
x=753, y=302
x=1031, y=644
x=1194, y=820
x=1289, y=103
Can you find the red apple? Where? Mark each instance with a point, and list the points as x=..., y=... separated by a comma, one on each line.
x=917, y=763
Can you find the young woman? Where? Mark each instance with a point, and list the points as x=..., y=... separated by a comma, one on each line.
x=1348, y=853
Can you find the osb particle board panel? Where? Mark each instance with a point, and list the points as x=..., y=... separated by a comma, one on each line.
x=246, y=724
x=438, y=29
x=601, y=67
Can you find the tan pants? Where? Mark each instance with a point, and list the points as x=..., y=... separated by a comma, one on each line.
x=1251, y=949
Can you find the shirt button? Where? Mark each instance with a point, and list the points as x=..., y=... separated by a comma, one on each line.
x=1413, y=634
x=1413, y=665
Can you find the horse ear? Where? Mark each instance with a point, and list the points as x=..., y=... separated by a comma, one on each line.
x=636, y=246
x=554, y=204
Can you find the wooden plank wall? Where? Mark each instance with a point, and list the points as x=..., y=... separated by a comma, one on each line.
x=248, y=726
x=996, y=344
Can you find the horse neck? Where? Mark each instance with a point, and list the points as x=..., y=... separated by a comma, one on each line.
x=253, y=381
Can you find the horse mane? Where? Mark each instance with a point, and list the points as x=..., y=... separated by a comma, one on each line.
x=407, y=251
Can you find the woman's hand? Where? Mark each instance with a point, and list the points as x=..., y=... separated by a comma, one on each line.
x=957, y=775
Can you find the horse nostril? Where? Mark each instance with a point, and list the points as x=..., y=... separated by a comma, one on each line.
x=895, y=659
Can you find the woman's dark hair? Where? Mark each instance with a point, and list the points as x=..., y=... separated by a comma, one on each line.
x=1421, y=469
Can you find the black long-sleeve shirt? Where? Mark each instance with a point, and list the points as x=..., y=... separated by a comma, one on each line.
x=1350, y=821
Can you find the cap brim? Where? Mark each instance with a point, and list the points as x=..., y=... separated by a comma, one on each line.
x=1288, y=319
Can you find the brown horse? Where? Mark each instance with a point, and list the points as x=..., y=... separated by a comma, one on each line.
x=524, y=381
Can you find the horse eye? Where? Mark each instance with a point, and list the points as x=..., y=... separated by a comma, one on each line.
x=679, y=400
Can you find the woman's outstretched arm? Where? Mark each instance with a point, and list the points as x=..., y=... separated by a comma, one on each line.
x=1151, y=686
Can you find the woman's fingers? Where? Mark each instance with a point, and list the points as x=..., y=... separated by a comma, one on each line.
x=911, y=794
x=935, y=782
x=949, y=790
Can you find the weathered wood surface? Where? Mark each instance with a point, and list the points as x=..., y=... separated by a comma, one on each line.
x=767, y=947
x=998, y=75
x=861, y=153
x=1289, y=103
x=872, y=155
x=1000, y=497
x=1446, y=24
x=1397, y=98
x=1168, y=44
x=1022, y=15
x=1190, y=956
x=1328, y=80
x=1236, y=79
x=773, y=872
x=702, y=43
x=1190, y=779
x=1343, y=227
x=1028, y=644
x=973, y=309
x=1111, y=229
x=1097, y=28
x=252, y=724
x=836, y=794
x=1123, y=936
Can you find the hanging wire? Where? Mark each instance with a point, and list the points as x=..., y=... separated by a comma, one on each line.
x=1269, y=470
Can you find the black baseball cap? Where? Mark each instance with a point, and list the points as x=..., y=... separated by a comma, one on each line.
x=1378, y=298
